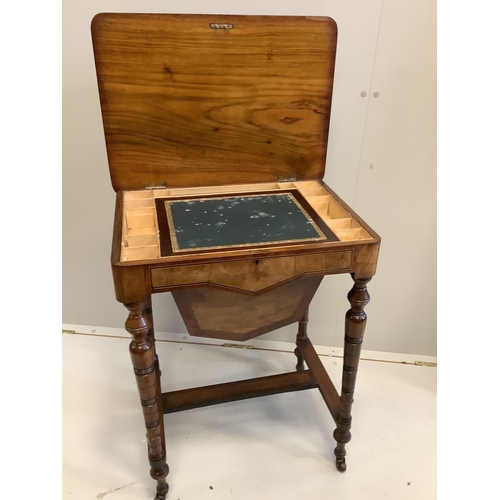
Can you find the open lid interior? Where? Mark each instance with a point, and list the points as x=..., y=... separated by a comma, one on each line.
x=200, y=100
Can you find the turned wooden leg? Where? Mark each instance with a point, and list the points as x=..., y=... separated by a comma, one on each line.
x=355, y=323
x=146, y=374
x=301, y=335
x=148, y=311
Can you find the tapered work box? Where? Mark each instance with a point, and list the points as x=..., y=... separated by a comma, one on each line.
x=216, y=131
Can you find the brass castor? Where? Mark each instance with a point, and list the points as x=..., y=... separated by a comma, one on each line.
x=341, y=465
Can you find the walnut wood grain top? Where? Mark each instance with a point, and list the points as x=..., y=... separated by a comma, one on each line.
x=189, y=104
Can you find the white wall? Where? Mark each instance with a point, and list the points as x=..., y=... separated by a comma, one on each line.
x=386, y=46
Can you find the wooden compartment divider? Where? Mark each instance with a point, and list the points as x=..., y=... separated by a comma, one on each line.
x=140, y=235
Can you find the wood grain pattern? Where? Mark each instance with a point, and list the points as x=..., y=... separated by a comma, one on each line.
x=189, y=105
x=235, y=391
x=355, y=323
x=181, y=275
x=365, y=258
x=325, y=385
x=301, y=335
x=253, y=275
x=250, y=275
x=135, y=281
x=143, y=361
x=209, y=312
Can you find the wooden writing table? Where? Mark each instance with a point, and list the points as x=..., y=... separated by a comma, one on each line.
x=216, y=130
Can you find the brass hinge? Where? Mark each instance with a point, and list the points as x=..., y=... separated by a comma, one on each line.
x=287, y=178
x=68, y=331
x=238, y=346
x=161, y=185
x=425, y=363
x=221, y=26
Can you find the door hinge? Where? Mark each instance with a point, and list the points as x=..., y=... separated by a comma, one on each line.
x=287, y=178
x=238, y=346
x=221, y=26
x=160, y=185
x=68, y=331
x=425, y=363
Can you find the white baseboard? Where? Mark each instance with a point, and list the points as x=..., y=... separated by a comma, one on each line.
x=256, y=343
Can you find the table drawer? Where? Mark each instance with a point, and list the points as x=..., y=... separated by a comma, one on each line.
x=251, y=275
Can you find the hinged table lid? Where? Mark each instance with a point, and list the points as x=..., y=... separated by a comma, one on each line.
x=193, y=100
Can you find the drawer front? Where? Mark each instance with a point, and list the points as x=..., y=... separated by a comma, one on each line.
x=251, y=275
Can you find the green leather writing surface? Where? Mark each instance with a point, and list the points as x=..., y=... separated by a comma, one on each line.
x=221, y=222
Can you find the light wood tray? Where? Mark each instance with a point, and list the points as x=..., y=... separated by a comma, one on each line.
x=140, y=238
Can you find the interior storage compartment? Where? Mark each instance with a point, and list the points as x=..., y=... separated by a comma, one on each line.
x=139, y=229
x=140, y=232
